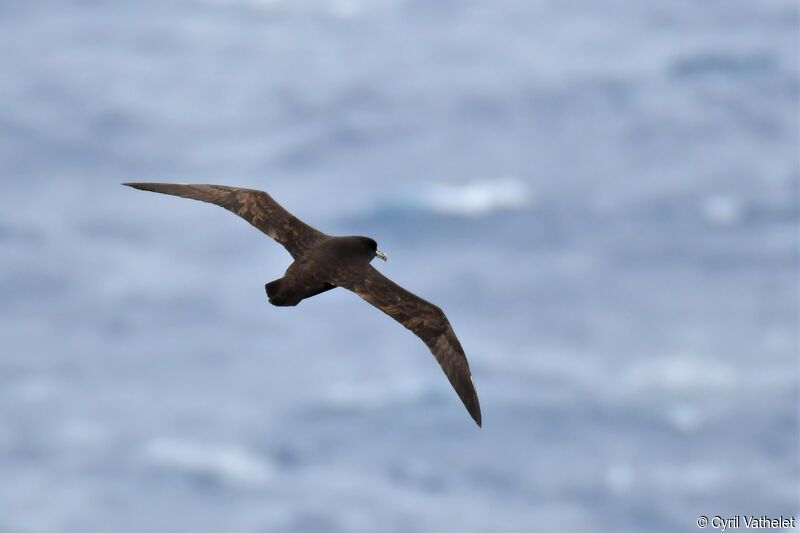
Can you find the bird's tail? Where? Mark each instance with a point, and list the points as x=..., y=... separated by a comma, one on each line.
x=273, y=287
x=285, y=293
x=280, y=295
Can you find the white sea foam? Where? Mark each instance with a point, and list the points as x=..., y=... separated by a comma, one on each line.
x=470, y=199
x=680, y=373
x=344, y=9
x=686, y=418
x=620, y=478
x=228, y=464
x=723, y=210
x=258, y=4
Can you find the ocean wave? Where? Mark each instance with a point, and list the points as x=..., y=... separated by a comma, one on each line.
x=226, y=464
x=372, y=396
x=337, y=8
x=724, y=64
x=723, y=210
x=681, y=373
x=470, y=199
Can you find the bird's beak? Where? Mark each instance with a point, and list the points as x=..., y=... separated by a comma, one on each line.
x=382, y=255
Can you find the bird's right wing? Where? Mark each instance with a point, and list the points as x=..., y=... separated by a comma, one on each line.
x=424, y=319
x=256, y=207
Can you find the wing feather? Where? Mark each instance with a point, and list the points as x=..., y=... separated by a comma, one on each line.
x=425, y=320
x=256, y=207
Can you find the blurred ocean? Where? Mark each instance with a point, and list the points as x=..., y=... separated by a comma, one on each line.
x=603, y=197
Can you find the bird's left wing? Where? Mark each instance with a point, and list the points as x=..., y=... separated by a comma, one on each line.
x=256, y=207
x=426, y=320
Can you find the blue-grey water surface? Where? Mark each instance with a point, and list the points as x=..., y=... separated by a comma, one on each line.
x=601, y=195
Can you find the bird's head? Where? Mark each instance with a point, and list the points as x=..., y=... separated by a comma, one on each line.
x=372, y=248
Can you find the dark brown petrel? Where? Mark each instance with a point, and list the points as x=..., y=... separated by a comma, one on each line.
x=322, y=262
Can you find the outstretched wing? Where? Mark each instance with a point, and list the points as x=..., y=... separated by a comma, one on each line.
x=256, y=207
x=426, y=320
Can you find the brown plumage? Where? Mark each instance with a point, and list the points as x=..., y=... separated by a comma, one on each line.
x=323, y=262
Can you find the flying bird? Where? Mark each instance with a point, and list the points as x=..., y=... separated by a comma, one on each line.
x=323, y=262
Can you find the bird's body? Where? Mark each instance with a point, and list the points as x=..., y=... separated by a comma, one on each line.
x=323, y=262
x=315, y=271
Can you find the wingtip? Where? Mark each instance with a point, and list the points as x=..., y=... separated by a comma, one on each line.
x=147, y=186
x=475, y=408
x=476, y=416
x=152, y=187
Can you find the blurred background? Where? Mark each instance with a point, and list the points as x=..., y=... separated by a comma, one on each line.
x=603, y=197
